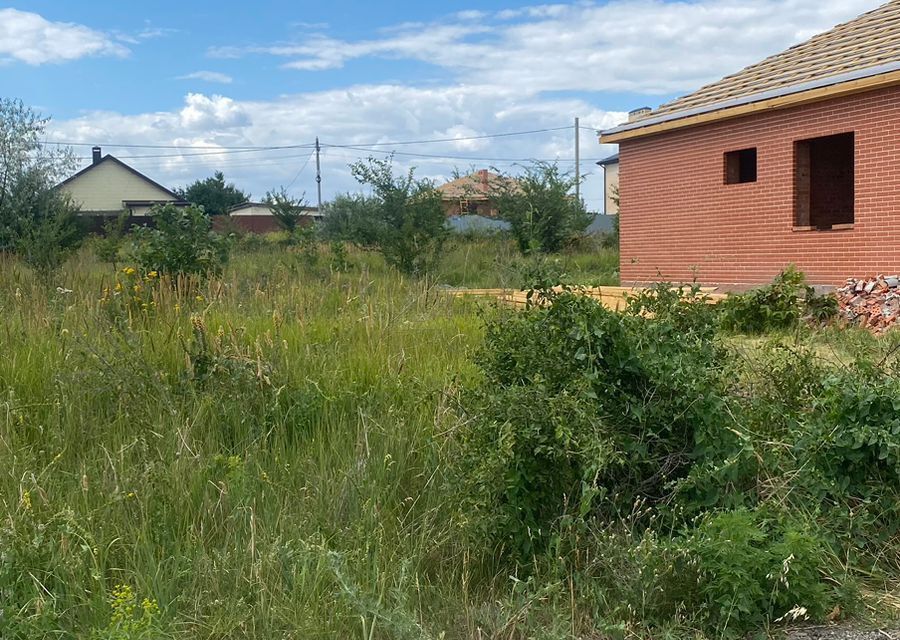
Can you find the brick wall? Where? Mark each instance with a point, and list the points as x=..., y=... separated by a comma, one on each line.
x=678, y=217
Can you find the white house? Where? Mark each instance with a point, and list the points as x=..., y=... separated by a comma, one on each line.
x=107, y=187
x=610, y=184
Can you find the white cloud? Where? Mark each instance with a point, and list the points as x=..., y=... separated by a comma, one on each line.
x=356, y=117
x=646, y=46
x=28, y=37
x=502, y=72
x=207, y=76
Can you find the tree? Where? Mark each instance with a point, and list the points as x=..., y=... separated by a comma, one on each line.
x=540, y=208
x=288, y=211
x=213, y=194
x=407, y=219
x=37, y=222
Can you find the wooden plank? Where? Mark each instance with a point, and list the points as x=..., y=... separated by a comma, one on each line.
x=613, y=298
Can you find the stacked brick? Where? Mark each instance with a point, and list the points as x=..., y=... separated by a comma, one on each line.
x=872, y=303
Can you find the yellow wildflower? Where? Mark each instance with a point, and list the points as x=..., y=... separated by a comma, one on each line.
x=119, y=287
x=199, y=298
x=129, y=271
x=153, y=274
x=26, y=500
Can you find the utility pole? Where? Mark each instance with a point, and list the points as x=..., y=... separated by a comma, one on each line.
x=318, y=174
x=577, y=161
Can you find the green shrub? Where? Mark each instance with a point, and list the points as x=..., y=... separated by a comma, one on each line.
x=751, y=570
x=181, y=241
x=778, y=306
x=46, y=238
x=580, y=408
x=108, y=246
x=539, y=205
x=406, y=215
x=351, y=218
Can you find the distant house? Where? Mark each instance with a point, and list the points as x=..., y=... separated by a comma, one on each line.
x=256, y=217
x=610, y=184
x=792, y=160
x=108, y=187
x=471, y=195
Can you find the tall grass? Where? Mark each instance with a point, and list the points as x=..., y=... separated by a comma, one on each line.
x=259, y=454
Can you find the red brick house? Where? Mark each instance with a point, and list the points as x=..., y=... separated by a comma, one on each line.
x=471, y=195
x=793, y=160
x=256, y=217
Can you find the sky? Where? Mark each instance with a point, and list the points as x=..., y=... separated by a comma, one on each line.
x=181, y=89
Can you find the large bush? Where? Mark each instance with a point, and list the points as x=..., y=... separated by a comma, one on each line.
x=541, y=208
x=352, y=218
x=670, y=474
x=406, y=213
x=581, y=408
x=37, y=221
x=180, y=241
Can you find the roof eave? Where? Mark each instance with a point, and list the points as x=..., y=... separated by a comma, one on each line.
x=860, y=81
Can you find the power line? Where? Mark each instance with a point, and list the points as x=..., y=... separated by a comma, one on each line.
x=450, y=157
x=174, y=146
x=308, y=145
x=459, y=139
x=297, y=175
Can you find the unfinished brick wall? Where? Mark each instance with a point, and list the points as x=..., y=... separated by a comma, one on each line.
x=678, y=217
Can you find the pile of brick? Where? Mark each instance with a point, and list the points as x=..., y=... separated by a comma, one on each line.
x=871, y=303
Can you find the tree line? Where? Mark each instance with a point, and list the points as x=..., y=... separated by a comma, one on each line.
x=397, y=214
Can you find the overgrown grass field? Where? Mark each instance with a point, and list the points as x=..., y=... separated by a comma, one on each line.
x=258, y=456
x=313, y=446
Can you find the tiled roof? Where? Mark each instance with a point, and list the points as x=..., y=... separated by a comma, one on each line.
x=871, y=40
x=476, y=186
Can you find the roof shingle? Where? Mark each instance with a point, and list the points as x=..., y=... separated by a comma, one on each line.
x=868, y=41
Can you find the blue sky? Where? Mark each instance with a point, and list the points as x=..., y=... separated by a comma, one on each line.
x=204, y=75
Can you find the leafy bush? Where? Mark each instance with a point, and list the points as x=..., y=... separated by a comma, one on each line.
x=750, y=570
x=181, y=241
x=108, y=246
x=37, y=221
x=49, y=234
x=735, y=492
x=407, y=217
x=539, y=205
x=778, y=306
x=580, y=408
x=351, y=218
x=287, y=210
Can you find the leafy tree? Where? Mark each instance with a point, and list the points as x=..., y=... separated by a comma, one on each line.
x=288, y=211
x=539, y=206
x=181, y=241
x=407, y=218
x=351, y=218
x=213, y=194
x=37, y=222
